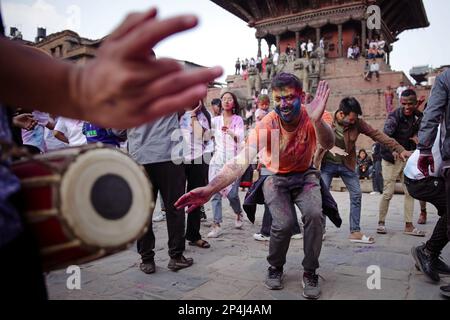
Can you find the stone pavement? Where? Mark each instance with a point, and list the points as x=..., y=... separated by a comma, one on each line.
x=235, y=265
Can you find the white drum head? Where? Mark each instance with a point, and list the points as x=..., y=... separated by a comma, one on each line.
x=106, y=198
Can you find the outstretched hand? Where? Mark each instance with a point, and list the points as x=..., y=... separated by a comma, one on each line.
x=338, y=151
x=193, y=199
x=126, y=85
x=25, y=121
x=404, y=155
x=317, y=107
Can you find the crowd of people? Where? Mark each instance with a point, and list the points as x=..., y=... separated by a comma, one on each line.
x=243, y=65
x=297, y=148
x=375, y=48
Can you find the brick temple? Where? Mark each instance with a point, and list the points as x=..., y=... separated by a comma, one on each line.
x=340, y=24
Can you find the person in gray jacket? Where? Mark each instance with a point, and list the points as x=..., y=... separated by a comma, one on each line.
x=151, y=145
x=437, y=112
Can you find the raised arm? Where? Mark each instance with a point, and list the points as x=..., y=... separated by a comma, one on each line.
x=315, y=109
x=383, y=139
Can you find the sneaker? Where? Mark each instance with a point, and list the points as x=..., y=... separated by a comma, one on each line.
x=148, y=267
x=160, y=216
x=440, y=266
x=311, y=287
x=445, y=291
x=215, y=232
x=274, y=278
x=297, y=236
x=261, y=237
x=238, y=222
x=425, y=262
x=181, y=262
x=374, y=193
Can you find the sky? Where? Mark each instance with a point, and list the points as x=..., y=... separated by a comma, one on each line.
x=220, y=37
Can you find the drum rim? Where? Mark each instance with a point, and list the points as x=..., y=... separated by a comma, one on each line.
x=67, y=222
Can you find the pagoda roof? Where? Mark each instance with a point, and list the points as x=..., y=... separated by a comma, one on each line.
x=397, y=15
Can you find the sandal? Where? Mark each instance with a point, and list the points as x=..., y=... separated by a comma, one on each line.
x=363, y=239
x=416, y=232
x=381, y=229
x=200, y=243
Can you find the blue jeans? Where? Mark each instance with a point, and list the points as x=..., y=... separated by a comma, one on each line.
x=233, y=198
x=351, y=181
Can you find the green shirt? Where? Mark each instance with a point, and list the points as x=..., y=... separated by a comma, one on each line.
x=339, y=142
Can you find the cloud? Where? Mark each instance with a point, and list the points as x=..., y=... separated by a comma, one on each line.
x=40, y=14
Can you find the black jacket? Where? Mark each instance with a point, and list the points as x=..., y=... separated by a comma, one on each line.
x=255, y=196
x=402, y=129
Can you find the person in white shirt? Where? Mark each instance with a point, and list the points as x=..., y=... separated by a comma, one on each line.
x=310, y=48
x=373, y=44
x=263, y=107
x=381, y=50
x=400, y=89
x=228, y=132
x=70, y=131
x=374, y=68
x=198, y=147
x=33, y=140
x=350, y=53
x=51, y=143
x=303, y=48
x=430, y=189
x=321, y=43
x=276, y=55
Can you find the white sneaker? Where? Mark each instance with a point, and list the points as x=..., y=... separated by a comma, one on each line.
x=215, y=232
x=160, y=216
x=373, y=193
x=297, y=236
x=238, y=223
x=260, y=237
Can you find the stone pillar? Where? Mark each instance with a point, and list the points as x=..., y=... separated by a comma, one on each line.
x=317, y=37
x=278, y=43
x=59, y=51
x=259, y=47
x=297, y=44
x=340, y=49
x=363, y=37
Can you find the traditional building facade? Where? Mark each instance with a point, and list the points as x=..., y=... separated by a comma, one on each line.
x=338, y=24
x=68, y=45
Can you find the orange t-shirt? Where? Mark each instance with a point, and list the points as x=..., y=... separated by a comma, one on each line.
x=286, y=151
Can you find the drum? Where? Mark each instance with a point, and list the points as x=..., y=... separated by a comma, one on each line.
x=84, y=203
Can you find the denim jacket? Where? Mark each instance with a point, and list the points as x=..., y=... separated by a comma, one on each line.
x=437, y=111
